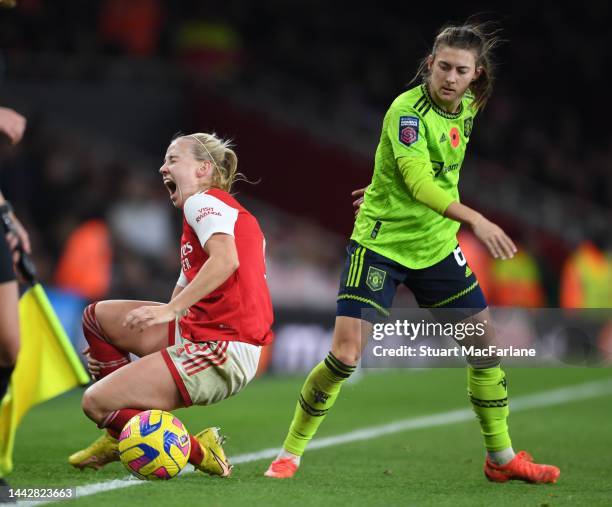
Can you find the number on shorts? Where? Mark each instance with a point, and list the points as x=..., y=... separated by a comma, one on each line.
x=459, y=257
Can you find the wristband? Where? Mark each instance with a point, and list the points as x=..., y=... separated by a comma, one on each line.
x=6, y=208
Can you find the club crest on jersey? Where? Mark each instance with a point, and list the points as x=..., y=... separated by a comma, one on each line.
x=376, y=278
x=468, y=123
x=408, y=130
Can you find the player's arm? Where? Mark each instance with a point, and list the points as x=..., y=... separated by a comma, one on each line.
x=17, y=235
x=407, y=133
x=221, y=263
x=215, y=231
x=177, y=290
x=181, y=283
x=412, y=155
x=12, y=124
x=419, y=177
x=492, y=236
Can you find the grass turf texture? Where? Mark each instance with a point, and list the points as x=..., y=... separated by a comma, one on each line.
x=431, y=466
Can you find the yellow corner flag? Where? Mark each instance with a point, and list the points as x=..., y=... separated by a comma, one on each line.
x=47, y=366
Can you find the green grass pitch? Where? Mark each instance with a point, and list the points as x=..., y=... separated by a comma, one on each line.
x=437, y=466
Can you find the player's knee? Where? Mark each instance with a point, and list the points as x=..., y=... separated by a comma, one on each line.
x=347, y=348
x=92, y=405
x=347, y=355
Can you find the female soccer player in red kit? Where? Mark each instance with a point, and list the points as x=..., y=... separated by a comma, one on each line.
x=201, y=347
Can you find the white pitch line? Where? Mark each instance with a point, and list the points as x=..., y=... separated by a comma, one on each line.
x=520, y=403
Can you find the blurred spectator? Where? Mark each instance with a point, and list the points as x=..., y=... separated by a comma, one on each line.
x=336, y=85
x=517, y=281
x=586, y=279
x=85, y=264
x=132, y=27
x=140, y=217
x=479, y=260
x=211, y=47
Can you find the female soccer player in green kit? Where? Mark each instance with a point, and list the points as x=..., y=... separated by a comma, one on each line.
x=405, y=232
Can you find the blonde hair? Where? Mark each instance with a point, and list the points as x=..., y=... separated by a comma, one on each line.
x=219, y=152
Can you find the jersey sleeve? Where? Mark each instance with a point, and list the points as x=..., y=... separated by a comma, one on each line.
x=207, y=215
x=182, y=280
x=406, y=132
x=419, y=178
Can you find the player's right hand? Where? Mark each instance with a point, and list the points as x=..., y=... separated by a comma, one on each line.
x=359, y=201
x=93, y=365
x=12, y=124
x=494, y=238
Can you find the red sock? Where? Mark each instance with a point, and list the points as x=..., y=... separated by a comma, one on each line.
x=115, y=421
x=196, y=455
x=99, y=347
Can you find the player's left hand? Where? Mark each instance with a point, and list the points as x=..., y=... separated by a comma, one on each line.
x=12, y=124
x=359, y=201
x=144, y=317
x=18, y=235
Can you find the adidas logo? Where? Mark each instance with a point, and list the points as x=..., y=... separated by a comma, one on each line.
x=442, y=138
x=468, y=271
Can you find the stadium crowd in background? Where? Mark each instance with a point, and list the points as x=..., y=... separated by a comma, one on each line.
x=80, y=194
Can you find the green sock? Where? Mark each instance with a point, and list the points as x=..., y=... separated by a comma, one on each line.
x=489, y=396
x=317, y=396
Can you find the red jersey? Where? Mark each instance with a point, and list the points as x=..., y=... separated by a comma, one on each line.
x=240, y=309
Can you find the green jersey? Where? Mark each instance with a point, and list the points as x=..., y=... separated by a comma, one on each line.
x=431, y=144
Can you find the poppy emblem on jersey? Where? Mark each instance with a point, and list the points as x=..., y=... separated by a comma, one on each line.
x=468, y=123
x=376, y=278
x=408, y=130
x=455, y=138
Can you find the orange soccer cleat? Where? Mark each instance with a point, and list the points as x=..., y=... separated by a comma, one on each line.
x=282, y=468
x=521, y=468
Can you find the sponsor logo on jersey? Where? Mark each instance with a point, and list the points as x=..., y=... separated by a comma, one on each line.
x=186, y=249
x=455, y=137
x=468, y=123
x=408, y=130
x=442, y=138
x=204, y=212
x=440, y=168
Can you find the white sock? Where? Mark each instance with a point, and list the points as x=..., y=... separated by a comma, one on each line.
x=286, y=454
x=501, y=457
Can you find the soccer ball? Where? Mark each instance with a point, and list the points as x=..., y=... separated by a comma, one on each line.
x=154, y=445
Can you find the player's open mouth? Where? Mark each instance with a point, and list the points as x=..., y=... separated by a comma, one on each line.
x=447, y=90
x=171, y=186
